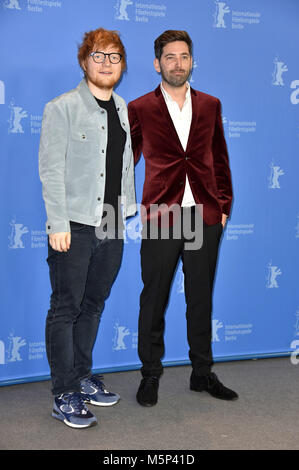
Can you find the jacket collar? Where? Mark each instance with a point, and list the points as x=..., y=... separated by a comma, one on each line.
x=89, y=100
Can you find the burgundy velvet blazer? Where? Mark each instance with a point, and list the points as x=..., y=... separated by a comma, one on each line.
x=205, y=160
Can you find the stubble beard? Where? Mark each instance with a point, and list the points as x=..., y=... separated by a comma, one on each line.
x=104, y=83
x=175, y=80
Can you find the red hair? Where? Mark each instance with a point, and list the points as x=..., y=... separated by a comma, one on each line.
x=100, y=39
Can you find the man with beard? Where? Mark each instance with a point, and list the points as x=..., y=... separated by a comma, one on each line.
x=86, y=166
x=179, y=130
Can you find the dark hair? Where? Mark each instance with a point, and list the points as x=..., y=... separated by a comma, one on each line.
x=168, y=36
x=100, y=38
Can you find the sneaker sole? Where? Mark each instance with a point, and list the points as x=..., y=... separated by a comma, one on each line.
x=96, y=403
x=71, y=425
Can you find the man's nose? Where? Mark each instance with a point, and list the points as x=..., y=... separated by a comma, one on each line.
x=106, y=61
x=178, y=61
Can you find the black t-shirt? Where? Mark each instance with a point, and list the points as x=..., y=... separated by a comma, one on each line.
x=114, y=155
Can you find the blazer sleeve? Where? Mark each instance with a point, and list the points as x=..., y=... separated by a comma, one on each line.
x=221, y=165
x=136, y=132
x=52, y=154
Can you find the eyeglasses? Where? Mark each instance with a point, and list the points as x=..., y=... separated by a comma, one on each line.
x=99, y=57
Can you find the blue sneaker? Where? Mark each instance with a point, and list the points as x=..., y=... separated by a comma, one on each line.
x=71, y=409
x=93, y=391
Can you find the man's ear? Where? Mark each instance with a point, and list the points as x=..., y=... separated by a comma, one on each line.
x=157, y=65
x=83, y=66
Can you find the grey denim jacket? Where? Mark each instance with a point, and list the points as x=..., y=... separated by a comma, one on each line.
x=72, y=160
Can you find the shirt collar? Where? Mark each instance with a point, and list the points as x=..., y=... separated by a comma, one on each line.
x=169, y=98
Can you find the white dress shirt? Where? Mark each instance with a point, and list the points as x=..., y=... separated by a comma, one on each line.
x=181, y=119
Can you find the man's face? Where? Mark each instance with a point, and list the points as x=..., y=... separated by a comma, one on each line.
x=175, y=63
x=104, y=75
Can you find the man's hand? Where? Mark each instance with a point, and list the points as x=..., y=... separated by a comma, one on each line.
x=224, y=217
x=60, y=241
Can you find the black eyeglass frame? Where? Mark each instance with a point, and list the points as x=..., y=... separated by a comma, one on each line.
x=92, y=54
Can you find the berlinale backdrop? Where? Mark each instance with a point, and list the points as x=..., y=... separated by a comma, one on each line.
x=246, y=54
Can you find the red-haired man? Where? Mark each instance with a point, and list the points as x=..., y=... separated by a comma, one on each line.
x=86, y=166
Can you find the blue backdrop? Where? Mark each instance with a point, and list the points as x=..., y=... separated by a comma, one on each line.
x=245, y=53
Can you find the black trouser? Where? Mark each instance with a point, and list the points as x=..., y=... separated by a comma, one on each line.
x=159, y=258
x=81, y=280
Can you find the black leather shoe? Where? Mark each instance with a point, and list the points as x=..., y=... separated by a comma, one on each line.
x=211, y=384
x=147, y=394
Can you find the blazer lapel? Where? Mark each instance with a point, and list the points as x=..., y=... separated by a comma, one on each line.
x=166, y=116
x=195, y=115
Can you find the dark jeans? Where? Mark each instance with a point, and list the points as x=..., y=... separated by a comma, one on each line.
x=81, y=280
x=159, y=260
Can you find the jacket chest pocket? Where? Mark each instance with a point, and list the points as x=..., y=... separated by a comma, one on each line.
x=83, y=143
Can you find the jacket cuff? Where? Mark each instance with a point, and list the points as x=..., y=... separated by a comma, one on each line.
x=56, y=227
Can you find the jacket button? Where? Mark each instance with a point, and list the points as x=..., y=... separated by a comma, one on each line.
x=83, y=136
x=99, y=198
x=102, y=174
x=103, y=151
x=103, y=127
